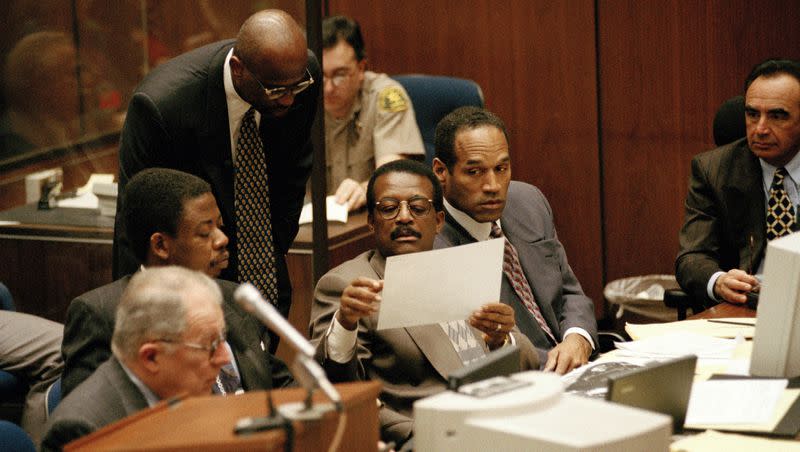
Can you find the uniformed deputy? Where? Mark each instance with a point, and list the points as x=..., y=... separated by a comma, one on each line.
x=369, y=119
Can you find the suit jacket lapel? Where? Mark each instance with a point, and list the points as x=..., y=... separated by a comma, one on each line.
x=216, y=160
x=245, y=343
x=745, y=196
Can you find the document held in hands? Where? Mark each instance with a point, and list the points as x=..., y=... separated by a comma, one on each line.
x=440, y=285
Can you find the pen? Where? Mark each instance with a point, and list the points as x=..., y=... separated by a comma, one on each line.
x=752, y=251
x=729, y=322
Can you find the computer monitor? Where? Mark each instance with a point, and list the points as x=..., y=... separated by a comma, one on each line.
x=776, y=344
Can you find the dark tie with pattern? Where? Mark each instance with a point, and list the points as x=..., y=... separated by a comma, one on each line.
x=255, y=247
x=513, y=271
x=780, y=211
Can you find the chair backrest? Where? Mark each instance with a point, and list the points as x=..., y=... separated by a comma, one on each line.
x=729, y=121
x=6, y=300
x=12, y=437
x=53, y=396
x=433, y=97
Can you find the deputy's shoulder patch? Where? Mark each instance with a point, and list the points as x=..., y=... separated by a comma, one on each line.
x=392, y=99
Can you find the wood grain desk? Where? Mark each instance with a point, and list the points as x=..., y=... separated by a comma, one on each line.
x=725, y=310
x=51, y=256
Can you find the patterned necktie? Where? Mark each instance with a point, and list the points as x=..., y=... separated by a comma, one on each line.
x=780, y=211
x=255, y=247
x=513, y=271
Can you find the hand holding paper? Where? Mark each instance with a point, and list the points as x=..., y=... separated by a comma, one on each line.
x=440, y=285
x=359, y=299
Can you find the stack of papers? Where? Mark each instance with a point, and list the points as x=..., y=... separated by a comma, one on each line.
x=678, y=343
x=725, y=328
x=716, y=441
x=333, y=210
x=734, y=402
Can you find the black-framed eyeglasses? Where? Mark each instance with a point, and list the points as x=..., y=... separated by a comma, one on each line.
x=277, y=92
x=418, y=207
x=211, y=348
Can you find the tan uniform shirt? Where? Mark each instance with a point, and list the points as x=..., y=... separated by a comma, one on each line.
x=381, y=122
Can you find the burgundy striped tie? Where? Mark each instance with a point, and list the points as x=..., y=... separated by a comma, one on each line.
x=513, y=271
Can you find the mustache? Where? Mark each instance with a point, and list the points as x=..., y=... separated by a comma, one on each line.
x=404, y=231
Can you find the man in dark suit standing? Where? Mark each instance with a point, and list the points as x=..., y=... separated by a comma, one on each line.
x=238, y=114
x=172, y=219
x=473, y=164
x=744, y=193
x=404, y=204
x=169, y=340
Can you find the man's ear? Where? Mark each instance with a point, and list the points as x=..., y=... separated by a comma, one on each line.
x=161, y=246
x=439, y=221
x=237, y=68
x=371, y=223
x=440, y=170
x=149, y=356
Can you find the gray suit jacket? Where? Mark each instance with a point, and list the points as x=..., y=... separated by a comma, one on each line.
x=107, y=396
x=527, y=222
x=412, y=362
x=724, y=209
x=90, y=325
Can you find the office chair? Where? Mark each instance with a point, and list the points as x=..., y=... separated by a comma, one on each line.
x=12, y=389
x=433, y=97
x=13, y=438
x=52, y=397
x=729, y=126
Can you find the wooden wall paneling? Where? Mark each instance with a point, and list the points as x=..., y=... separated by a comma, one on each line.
x=665, y=67
x=535, y=61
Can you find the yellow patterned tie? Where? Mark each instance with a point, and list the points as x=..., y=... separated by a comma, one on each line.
x=780, y=211
x=255, y=247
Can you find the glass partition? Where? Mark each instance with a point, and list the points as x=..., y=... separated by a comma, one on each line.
x=70, y=66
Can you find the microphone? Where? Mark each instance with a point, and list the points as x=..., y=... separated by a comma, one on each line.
x=306, y=370
x=250, y=299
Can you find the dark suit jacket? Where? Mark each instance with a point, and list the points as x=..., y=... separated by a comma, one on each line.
x=527, y=222
x=178, y=118
x=724, y=209
x=411, y=362
x=105, y=397
x=90, y=325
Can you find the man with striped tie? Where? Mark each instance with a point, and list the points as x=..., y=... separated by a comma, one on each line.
x=405, y=211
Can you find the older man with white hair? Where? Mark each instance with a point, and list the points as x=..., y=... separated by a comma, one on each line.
x=168, y=340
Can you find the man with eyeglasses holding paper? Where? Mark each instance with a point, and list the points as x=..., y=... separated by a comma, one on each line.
x=405, y=211
x=237, y=114
x=168, y=341
x=369, y=119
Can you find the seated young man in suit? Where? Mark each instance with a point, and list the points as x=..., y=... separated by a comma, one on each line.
x=405, y=211
x=473, y=164
x=172, y=218
x=169, y=339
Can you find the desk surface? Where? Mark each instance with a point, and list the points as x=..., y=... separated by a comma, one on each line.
x=725, y=310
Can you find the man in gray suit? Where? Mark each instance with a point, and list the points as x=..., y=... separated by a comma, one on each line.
x=169, y=340
x=405, y=211
x=172, y=218
x=473, y=164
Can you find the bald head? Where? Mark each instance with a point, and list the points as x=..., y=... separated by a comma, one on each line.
x=272, y=44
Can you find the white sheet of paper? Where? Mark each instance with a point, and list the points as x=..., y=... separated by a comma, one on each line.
x=733, y=401
x=333, y=210
x=440, y=285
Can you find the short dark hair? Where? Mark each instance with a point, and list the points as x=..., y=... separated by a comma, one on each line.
x=773, y=67
x=153, y=202
x=405, y=166
x=461, y=118
x=342, y=28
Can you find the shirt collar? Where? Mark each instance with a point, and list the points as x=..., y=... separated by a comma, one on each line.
x=768, y=171
x=478, y=231
x=149, y=396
